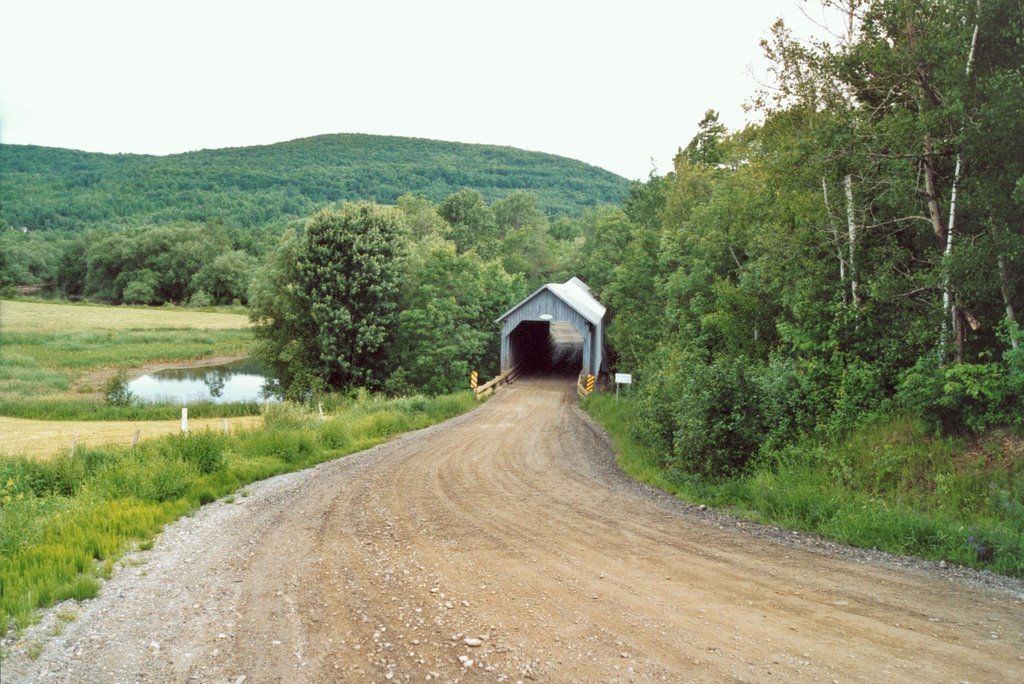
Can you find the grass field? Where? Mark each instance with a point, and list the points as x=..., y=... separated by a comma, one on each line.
x=31, y=317
x=48, y=438
x=53, y=354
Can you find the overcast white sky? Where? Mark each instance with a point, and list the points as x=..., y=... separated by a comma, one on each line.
x=614, y=84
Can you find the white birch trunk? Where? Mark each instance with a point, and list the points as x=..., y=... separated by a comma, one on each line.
x=851, y=223
x=836, y=240
x=948, y=310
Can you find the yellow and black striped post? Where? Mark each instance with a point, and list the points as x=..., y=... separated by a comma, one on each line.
x=590, y=384
x=473, y=377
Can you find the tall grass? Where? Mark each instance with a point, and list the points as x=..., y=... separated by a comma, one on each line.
x=64, y=521
x=889, y=485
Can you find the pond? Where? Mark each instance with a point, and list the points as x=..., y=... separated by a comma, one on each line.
x=242, y=380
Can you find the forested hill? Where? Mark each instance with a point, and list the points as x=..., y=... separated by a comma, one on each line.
x=54, y=188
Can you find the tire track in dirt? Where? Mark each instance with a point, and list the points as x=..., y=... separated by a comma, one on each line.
x=509, y=528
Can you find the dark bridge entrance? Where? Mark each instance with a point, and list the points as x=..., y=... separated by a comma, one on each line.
x=546, y=347
x=557, y=329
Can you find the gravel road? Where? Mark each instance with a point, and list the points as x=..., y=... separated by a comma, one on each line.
x=504, y=545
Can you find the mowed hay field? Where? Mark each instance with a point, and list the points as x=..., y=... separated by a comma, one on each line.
x=48, y=438
x=21, y=317
x=56, y=358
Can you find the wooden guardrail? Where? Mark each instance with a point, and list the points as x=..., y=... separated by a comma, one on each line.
x=501, y=379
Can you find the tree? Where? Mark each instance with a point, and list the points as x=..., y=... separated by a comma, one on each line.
x=705, y=147
x=284, y=330
x=471, y=223
x=141, y=287
x=349, y=269
x=518, y=210
x=421, y=217
x=226, y=278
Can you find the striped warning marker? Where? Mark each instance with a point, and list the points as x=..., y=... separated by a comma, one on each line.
x=473, y=377
x=590, y=384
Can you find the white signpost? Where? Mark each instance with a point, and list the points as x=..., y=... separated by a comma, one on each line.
x=622, y=379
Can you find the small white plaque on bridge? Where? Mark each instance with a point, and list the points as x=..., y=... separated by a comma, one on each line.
x=623, y=378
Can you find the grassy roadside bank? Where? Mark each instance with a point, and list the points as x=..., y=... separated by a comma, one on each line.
x=64, y=521
x=887, y=486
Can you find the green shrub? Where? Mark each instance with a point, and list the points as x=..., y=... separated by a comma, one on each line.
x=116, y=392
x=653, y=420
x=200, y=299
x=717, y=418
x=963, y=397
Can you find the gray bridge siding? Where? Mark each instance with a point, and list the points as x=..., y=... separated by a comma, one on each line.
x=545, y=302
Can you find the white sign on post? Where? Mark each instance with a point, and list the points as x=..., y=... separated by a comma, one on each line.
x=623, y=378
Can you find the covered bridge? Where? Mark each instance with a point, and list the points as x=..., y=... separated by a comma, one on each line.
x=559, y=328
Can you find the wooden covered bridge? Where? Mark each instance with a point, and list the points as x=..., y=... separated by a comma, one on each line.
x=557, y=329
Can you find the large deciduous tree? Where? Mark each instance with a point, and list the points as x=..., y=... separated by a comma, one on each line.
x=332, y=326
x=350, y=266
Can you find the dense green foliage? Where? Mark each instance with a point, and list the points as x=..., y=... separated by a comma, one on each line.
x=343, y=293
x=792, y=279
x=446, y=327
x=56, y=189
x=864, y=490
x=64, y=521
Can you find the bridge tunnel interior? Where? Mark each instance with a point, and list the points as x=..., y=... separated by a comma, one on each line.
x=547, y=348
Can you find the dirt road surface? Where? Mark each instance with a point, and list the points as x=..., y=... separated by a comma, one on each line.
x=505, y=546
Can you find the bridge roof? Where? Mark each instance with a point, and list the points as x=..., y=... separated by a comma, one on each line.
x=573, y=292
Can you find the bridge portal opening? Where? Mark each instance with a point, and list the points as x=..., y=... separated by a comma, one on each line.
x=547, y=348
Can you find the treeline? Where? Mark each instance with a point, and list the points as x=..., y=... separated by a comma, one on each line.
x=254, y=187
x=211, y=263
x=859, y=252
x=186, y=263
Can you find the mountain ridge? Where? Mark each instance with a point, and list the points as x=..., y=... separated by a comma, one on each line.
x=59, y=188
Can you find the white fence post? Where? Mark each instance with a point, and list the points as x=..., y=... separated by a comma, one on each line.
x=184, y=420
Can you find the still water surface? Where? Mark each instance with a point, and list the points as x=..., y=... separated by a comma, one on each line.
x=242, y=380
